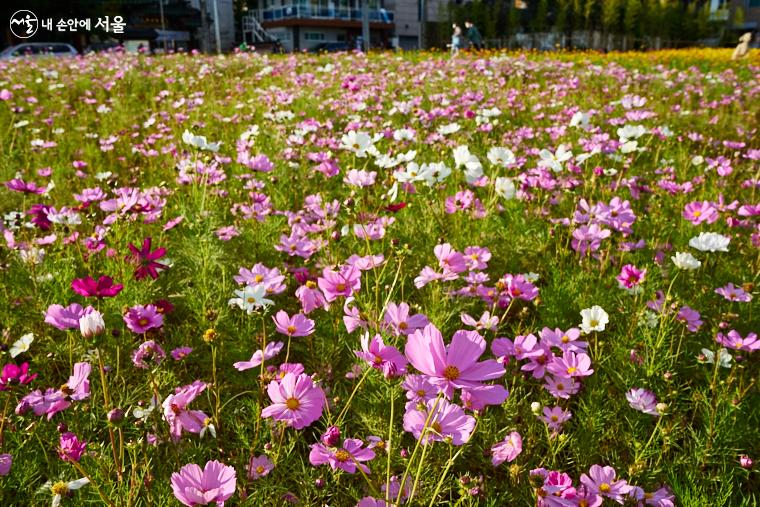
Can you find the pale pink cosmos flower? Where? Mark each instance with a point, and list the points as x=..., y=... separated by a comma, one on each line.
x=347, y=457
x=732, y=293
x=507, y=450
x=690, y=317
x=451, y=261
x=448, y=421
x=698, y=212
x=311, y=297
x=563, y=340
x=271, y=350
x=352, y=316
x=555, y=417
x=297, y=325
x=601, y=481
x=297, y=400
x=642, y=400
x=181, y=418
x=418, y=389
x=478, y=398
x=215, y=483
x=734, y=340
x=259, y=466
x=571, y=364
x=561, y=387
x=454, y=367
x=486, y=321
x=398, y=320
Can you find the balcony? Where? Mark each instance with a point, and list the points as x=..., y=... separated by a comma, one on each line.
x=286, y=12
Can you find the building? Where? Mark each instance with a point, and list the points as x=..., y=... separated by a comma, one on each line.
x=312, y=24
x=224, y=10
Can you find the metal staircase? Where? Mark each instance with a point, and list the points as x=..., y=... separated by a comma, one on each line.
x=257, y=32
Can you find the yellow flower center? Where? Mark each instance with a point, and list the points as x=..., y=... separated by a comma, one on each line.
x=310, y=284
x=259, y=469
x=436, y=426
x=571, y=370
x=143, y=321
x=342, y=455
x=291, y=329
x=60, y=488
x=594, y=322
x=341, y=287
x=565, y=339
x=403, y=325
x=451, y=373
x=292, y=403
x=604, y=487
x=258, y=278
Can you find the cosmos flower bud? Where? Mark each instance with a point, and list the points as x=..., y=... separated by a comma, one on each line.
x=92, y=324
x=115, y=415
x=745, y=461
x=535, y=407
x=331, y=437
x=661, y=408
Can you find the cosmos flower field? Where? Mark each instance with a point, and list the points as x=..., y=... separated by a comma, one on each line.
x=342, y=280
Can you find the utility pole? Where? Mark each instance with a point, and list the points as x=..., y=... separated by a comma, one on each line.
x=216, y=29
x=204, y=27
x=423, y=21
x=365, y=25
x=163, y=22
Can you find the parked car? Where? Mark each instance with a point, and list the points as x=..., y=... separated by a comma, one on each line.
x=35, y=49
x=330, y=47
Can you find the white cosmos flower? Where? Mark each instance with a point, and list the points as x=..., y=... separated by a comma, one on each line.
x=501, y=156
x=91, y=324
x=505, y=188
x=250, y=298
x=59, y=489
x=22, y=345
x=630, y=132
x=684, y=260
x=554, y=160
x=462, y=155
x=448, y=129
x=710, y=242
x=473, y=171
x=724, y=358
x=199, y=142
x=594, y=319
x=580, y=119
x=403, y=135
x=357, y=142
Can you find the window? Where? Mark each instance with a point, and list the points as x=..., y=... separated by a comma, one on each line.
x=314, y=36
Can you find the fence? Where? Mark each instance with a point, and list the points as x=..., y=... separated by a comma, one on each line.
x=595, y=40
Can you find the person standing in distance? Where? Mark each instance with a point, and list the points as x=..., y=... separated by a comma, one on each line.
x=473, y=35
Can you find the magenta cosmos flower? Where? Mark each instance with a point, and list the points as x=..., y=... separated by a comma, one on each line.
x=448, y=421
x=145, y=260
x=297, y=325
x=6, y=461
x=398, y=320
x=140, y=319
x=71, y=448
x=179, y=416
x=297, y=400
x=630, y=276
x=453, y=368
x=271, y=350
x=215, y=483
x=507, y=450
x=347, y=457
x=601, y=481
x=382, y=357
x=102, y=288
x=13, y=375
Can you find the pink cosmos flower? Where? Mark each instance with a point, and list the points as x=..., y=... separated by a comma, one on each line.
x=477, y=258
x=52, y=401
x=571, y=364
x=698, y=212
x=347, y=457
x=181, y=353
x=561, y=387
x=311, y=297
x=148, y=351
x=732, y=293
x=454, y=367
x=734, y=340
x=215, y=483
x=140, y=319
x=587, y=239
x=447, y=421
x=451, y=261
x=418, y=389
x=179, y=416
x=486, y=322
x=145, y=260
x=297, y=325
x=352, y=316
x=507, y=450
x=271, y=350
x=6, y=461
x=272, y=279
x=689, y=317
x=630, y=276
x=564, y=340
x=259, y=466
x=478, y=398
x=642, y=400
x=398, y=320
x=601, y=481
x=555, y=417
x=64, y=318
x=297, y=400
x=335, y=284
x=382, y=357
x=102, y=288
x=71, y=448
